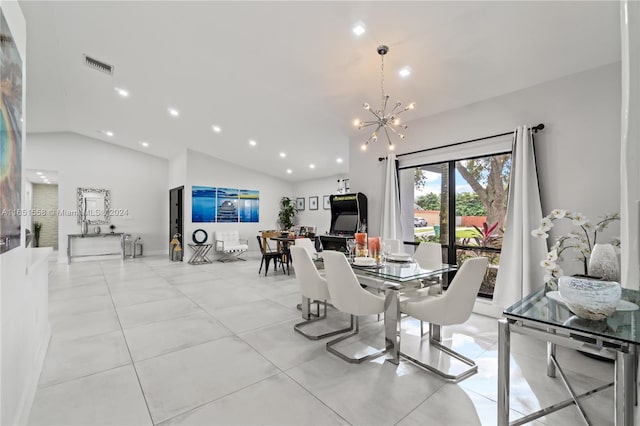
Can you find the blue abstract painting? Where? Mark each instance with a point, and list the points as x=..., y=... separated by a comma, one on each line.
x=227, y=205
x=249, y=201
x=203, y=205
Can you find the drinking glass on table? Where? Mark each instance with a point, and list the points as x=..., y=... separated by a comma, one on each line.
x=351, y=245
x=386, y=251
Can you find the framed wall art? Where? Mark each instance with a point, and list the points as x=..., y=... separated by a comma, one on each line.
x=326, y=202
x=313, y=203
x=300, y=203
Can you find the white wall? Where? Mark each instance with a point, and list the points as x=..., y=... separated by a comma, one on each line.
x=178, y=169
x=138, y=183
x=23, y=289
x=204, y=170
x=320, y=218
x=577, y=152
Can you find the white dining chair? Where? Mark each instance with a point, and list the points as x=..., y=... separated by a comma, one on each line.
x=428, y=255
x=314, y=288
x=349, y=297
x=454, y=307
x=395, y=246
x=308, y=245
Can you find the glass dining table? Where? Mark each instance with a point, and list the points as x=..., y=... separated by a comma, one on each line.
x=393, y=278
x=544, y=315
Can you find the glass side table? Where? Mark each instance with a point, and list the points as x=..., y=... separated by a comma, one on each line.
x=542, y=315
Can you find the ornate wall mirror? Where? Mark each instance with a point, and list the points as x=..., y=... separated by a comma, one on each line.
x=94, y=206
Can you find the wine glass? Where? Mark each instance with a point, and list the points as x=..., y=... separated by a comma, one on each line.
x=386, y=251
x=351, y=244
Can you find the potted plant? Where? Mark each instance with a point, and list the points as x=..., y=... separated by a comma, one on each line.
x=288, y=211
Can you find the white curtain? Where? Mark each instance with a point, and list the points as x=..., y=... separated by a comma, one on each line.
x=391, y=228
x=519, y=272
x=630, y=144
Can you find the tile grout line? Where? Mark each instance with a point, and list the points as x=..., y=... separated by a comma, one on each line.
x=133, y=364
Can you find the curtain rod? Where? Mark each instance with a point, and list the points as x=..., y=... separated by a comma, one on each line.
x=535, y=129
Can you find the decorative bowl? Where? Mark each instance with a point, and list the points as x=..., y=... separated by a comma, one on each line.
x=590, y=299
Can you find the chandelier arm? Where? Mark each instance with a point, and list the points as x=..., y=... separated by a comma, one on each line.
x=387, y=133
x=368, y=123
x=395, y=108
x=373, y=134
x=375, y=114
x=392, y=129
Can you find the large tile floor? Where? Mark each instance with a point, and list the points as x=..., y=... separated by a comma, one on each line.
x=149, y=341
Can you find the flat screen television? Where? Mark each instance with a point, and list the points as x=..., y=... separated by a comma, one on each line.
x=345, y=224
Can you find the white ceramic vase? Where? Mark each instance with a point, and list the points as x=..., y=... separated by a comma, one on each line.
x=604, y=262
x=590, y=299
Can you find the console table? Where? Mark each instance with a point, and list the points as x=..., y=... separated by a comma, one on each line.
x=97, y=249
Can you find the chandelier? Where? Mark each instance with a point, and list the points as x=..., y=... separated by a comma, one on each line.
x=384, y=121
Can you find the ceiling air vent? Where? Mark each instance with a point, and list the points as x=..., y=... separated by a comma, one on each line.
x=98, y=65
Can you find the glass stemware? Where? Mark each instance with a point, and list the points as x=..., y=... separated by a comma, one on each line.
x=386, y=251
x=351, y=245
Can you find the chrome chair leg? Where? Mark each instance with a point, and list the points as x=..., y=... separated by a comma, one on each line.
x=298, y=327
x=435, y=340
x=355, y=325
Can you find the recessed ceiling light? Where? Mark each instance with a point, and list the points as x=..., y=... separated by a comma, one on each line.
x=338, y=160
x=405, y=72
x=216, y=129
x=253, y=143
x=145, y=144
x=359, y=29
x=282, y=155
x=107, y=132
x=289, y=171
x=43, y=177
x=122, y=92
x=173, y=112
x=39, y=173
x=312, y=166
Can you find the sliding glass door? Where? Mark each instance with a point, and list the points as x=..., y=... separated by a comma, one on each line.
x=461, y=204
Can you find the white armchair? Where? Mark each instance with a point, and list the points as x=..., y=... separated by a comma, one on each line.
x=230, y=246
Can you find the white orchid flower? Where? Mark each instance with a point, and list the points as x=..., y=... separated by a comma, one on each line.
x=579, y=219
x=548, y=264
x=548, y=278
x=558, y=213
x=552, y=255
x=546, y=224
x=539, y=233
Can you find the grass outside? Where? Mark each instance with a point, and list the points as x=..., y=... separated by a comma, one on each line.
x=461, y=232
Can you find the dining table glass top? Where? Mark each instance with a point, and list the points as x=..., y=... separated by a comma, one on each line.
x=402, y=271
x=547, y=307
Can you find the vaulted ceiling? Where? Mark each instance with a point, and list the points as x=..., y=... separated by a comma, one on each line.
x=290, y=75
